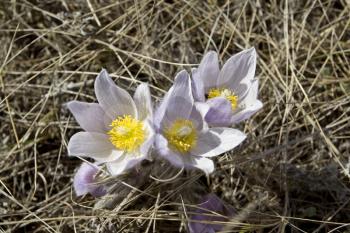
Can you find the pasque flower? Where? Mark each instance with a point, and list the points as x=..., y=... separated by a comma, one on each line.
x=84, y=181
x=231, y=93
x=183, y=137
x=118, y=129
x=212, y=208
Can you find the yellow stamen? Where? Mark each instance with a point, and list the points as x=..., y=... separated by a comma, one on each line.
x=181, y=135
x=127, y=133
x=226, y=93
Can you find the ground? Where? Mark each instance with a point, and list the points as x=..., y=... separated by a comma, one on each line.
x=292, y=172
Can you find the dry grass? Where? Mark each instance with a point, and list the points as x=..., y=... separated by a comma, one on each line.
x=292, y=174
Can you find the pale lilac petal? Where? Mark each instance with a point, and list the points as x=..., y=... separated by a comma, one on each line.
x=160, y=110
x=142, y=98
x=197, y=118
x=197, y=86
x=208, y=71
x=229, y=138
x=114, y=100
x=84, y=180
x=164, y=151
x=180, y=103
x=147, y=145
x=219, y=113
x=90, y=116
x=210, y=205
x=238, y=71
x=93, y=145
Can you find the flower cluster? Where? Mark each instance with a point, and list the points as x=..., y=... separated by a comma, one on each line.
x=192, y=124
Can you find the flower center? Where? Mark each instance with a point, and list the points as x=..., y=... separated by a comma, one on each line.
x=127, y=133
x=181, y=135
x=226, y=93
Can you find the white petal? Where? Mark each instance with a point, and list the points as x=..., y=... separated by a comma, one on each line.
x=208, y=70
x=205, y=164
x=117, y=167
x=247, y=112
x=252, y=94
x=203, y=108
x=228, y=139
x=207, y=142
x=114, y=100
x=93, y=145
x=90, y=116
x=142, y=98
x=249, y=105
x=238, y=71
x=124, y=163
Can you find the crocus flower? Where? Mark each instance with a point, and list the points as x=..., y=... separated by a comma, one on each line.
x=183, y=137
x=118, y=129
x=230, y=93
x=211, y=209
x=84, y=181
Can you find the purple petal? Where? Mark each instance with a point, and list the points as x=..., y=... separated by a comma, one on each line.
x=90, y=116
x=94, y=145
x=238, y=71
x=114, y=100
x=84, y=180
x=210, y=203
x=142, y=98
x=220, y=112
x=208, y=71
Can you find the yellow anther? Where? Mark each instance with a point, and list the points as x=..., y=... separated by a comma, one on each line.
x=127, y=133
x=181, y=135
x=226, y=93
